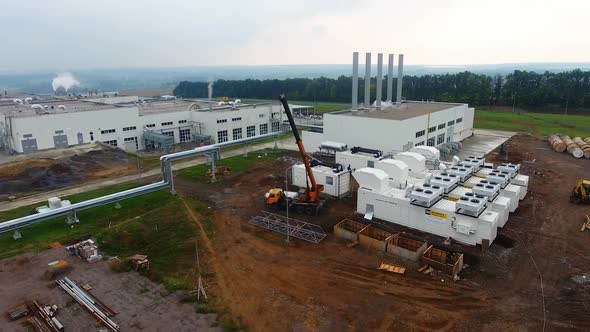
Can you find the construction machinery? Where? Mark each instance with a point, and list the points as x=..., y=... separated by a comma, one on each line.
x=307, y=200
x=581, y=192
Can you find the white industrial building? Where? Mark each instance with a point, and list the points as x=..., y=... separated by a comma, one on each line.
x=388, y=125
x=128, y=123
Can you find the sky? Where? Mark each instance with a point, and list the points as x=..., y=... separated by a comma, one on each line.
x=74, y=34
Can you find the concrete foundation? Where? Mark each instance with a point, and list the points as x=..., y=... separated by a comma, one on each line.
x=374, y=238
x=448, y=262
x=349, y=229
x=405, y=247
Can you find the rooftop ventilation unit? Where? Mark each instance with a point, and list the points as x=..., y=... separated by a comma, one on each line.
x=447, y=181
x=426, y=195
x=499, y=177
x=491, y=190
x=476, y=162
x=471, y=204
x=462, y=172
x=512, y=169
x=375, y=153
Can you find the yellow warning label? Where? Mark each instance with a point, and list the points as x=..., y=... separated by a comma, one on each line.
x=438, y=214
x=454, y=199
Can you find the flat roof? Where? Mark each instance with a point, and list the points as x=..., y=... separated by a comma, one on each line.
x=71, y=105
x=405, y=111
x=146, y=92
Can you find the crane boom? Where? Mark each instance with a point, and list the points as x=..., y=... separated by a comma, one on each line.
x=314, y=190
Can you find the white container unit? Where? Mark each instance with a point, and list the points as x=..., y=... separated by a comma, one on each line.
x=416, y=163
x=394, y=205
x=429, y=152
x=354, y=161
x=397, y=171
x=336, y=184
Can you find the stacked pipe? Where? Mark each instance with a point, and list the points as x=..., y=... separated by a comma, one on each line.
x=572, y=148
x=556, y=143
x=582, y=144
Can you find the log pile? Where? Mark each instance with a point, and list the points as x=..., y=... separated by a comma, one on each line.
x=576, y=146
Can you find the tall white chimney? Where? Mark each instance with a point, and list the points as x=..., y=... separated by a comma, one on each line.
x=400, y=77
x=355, y=80
x=390, y=79
x=379, y=78
x=368, y=80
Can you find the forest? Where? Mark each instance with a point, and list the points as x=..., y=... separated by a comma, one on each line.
x=520, y=88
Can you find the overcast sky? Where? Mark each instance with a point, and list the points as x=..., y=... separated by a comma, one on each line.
x=70, y=34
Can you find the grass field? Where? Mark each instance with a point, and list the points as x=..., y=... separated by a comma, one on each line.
x=535, y=123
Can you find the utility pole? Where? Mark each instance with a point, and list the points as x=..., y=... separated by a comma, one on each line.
x=287, y=200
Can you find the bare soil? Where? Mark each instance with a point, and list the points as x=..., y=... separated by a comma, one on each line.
x=140, y=303
x=535, y=276
x=39, y=175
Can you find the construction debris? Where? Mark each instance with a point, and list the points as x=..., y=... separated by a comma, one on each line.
x=586, y=224
x=19, y=311
x=391, y=267
x=96, y=308
x=56, y=268
x=139, y=262
x=86, y=249
x=44, y=318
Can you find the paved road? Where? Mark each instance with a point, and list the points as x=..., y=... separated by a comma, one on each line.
x=41, y=198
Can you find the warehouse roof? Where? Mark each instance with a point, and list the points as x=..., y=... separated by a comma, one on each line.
x=50, y=106
x=405, y=111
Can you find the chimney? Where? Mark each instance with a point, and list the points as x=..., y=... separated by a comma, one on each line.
x=368, y=81
x=400, y=77
x=355, y=80
x=379, y=78
x=390, y=79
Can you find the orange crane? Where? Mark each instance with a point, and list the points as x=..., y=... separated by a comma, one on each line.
x=306, y=200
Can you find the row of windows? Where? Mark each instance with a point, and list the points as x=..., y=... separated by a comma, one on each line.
x=261, y=115
x=237, y=133
x=221, y=120
x=432, y=129
x=250, y=131
x=440, y=139
x=263, y=128
x=129, y=128
x=452, y=122
x=237, y=119
x=169, y=123
x=168, y=133
x=459, y=120
x=132, y=139
x=419, y=143
x=185, y=135
x=111, y=142
x=107, y=131
x=151, y=125
x=181, y=121
x=442, y=126
x=420, y=133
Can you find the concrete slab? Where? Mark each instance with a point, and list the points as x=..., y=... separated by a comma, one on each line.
x=483, y=142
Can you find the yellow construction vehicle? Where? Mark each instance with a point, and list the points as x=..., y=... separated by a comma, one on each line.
x=581, y=192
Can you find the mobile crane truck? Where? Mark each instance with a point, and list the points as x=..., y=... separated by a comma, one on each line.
x=307, y=200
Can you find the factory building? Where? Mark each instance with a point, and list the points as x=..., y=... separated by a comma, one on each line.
x=392, y=125
x=128, y=123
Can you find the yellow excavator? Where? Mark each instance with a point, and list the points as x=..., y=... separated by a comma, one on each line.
x=581, y=192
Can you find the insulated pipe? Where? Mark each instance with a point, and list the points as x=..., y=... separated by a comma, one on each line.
x=400, y=77
x=368, y=80
x=390, y=79
x=379, y=78
x=355, y=80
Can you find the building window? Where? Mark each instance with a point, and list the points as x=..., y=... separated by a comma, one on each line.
x=261, y=115
x=420, y=133
x=452, y=122
x=91, y=136
x=181, y=121
x=222, y=121
x=276, y=126
x=449, y=138
x=168, y=133
x=185, y=135
x=329, y=180
x=151, y=125
x=222, y=136
x=419, y=143
x=111, y=142
x=107, y=131
x=274, y=115
x=57, y=132
x=442, y=126
x=237, y=119
x=130, y=139
x=370, y=163
x=263, y=128
x=459, y=120
x=28, y=136
x=169, y=123
x=129, y=128
x=432, y=129
x=236, y=133
x=430, y=141
x=250, y=131
x=440, y=139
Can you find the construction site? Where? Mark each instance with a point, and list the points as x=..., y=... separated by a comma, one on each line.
x=487, y=235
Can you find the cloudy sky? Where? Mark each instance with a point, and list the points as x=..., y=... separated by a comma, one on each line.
x=71, y=34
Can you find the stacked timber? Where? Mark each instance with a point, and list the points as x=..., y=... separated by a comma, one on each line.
x=557, y=143
x=571, y=147
x=585, y=147
x=587, y=140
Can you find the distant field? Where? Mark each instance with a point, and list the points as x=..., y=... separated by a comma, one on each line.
x=320, y=107
x=535, y=123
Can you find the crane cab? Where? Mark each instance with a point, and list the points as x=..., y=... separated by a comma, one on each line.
x=273, y=196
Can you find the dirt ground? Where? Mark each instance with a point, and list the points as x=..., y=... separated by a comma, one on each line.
x=40, y=175
x=536, y=276
x=140, y=303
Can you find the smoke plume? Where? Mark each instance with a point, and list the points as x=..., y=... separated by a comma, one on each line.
x=65, y=80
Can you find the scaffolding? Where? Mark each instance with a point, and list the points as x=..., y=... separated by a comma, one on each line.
x=155, y=141
x=293, y=227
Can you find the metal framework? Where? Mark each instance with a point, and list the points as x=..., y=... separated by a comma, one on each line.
x=295, y=228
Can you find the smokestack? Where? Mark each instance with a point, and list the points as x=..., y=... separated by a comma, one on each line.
x=390, y=79
x=400, y=77
x=355, y=80
x=379, y=78
x=368, y=80
x=210, y=91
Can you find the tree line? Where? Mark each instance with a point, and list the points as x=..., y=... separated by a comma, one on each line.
x=520, y=88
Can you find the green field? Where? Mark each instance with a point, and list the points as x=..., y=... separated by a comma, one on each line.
x=535, y=123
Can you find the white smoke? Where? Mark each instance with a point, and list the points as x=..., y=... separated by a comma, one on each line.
x=65, y=80
x=210, y=90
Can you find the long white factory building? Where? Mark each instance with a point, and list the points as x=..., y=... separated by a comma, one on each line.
x=128, y=123
x=392, y=125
